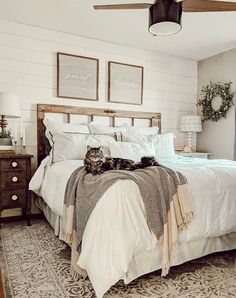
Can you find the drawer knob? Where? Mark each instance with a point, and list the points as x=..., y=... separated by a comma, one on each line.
x=14, y=164
x=14, y=179
x=14, y=197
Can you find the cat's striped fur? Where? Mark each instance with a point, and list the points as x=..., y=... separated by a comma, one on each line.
x=96, y=164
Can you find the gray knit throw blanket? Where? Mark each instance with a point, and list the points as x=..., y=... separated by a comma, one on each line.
x=158, y=187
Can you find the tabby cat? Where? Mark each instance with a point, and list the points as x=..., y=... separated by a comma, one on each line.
x=96, y=163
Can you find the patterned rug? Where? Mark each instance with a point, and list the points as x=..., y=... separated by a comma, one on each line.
x=36, y=265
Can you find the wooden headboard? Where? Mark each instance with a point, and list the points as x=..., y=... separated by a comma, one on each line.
x=154, y=119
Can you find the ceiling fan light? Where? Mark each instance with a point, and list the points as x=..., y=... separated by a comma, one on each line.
x=165, y=28
x=165, y=18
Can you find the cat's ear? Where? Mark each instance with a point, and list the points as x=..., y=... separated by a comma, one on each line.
x=101, y=148
x=88, y=148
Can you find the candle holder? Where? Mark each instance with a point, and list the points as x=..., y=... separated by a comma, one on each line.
x=21, y=144
x=15, y=144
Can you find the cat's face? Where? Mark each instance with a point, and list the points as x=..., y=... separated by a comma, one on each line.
x=94, y=154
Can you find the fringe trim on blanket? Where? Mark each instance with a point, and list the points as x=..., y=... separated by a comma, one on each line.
x=166, y=267
x=68, y=238
x=187, y=219
x=77, y=273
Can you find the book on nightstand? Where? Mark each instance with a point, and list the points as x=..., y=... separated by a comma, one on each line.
x=3, y=152
x=7, y=150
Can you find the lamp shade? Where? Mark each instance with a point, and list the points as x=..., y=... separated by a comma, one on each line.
x=9, y=105
x=190, y=123
x=165, y=17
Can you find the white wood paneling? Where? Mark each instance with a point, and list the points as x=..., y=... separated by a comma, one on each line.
x=28, y=67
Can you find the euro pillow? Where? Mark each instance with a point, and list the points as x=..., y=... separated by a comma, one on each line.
x=133, y=151
x=148, y=131
x=57, y=126
x=72, y=146
x=163, y=143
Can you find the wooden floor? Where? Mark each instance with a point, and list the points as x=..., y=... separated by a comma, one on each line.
x=1, y=286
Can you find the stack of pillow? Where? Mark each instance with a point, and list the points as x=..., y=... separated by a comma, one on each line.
x=70, y=141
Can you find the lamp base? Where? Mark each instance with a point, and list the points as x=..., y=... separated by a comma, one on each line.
x=5, y=142
x=3, y=123
x=189, y=141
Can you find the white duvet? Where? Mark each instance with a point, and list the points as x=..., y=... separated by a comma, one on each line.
x=117, y=243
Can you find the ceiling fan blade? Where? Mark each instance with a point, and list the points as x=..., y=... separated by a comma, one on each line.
x=208, y=6
x=123, y=6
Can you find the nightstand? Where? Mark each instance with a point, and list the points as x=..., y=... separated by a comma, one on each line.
x=203, y=155
x=14, y=179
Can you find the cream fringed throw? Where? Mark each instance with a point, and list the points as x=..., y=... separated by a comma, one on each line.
x=165, y=196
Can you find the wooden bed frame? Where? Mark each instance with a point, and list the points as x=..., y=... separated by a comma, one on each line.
x=42, y=109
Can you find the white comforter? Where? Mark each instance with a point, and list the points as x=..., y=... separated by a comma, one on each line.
x=117, y=235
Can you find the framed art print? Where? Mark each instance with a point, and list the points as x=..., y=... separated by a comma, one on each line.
x=125, y=83
x=77, y=77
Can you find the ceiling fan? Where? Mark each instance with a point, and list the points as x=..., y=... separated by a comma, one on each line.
x=165, y=15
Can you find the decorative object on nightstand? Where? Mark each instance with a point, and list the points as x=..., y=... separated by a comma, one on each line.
x=15, y=176
x=190, y=124
x=203, y=155
x=9, y=108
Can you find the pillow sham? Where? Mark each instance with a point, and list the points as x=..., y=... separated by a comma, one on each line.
x=56, y=126
x=98, y=129
x=74, y=146
x=133, y=151
x=163, y=143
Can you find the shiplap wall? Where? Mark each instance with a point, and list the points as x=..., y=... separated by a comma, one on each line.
x=28, y=67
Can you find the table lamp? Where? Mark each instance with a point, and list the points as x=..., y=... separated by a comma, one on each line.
x=9, y=108
x=190, y=124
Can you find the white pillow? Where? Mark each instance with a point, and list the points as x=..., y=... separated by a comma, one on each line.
x=101, y=140
x=163, y=143
x=131, y=151
x=74, y=146
x=97, y=129
x=56, y=126
x=164, y=146
x=142, y=130
x=135, y=138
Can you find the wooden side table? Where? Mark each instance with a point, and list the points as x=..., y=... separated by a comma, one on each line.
x=15, y=175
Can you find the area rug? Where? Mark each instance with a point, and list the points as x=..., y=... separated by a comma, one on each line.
x=36, y=265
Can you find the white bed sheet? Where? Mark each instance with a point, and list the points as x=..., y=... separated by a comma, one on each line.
x=118, y=231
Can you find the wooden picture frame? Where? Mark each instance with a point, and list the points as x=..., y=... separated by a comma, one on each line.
x=77, y=77
x=125, y=83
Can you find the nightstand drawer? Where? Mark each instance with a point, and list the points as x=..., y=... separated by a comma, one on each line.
x=13, y=199
x=13, y=163
x=13, y=179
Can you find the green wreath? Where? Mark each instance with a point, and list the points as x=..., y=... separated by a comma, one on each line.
x=209, y=92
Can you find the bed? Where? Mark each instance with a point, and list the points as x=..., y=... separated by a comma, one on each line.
x=134, y=250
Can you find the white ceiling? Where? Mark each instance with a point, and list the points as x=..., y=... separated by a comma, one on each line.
x=203, y=34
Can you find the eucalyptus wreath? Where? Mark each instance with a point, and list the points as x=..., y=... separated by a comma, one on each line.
x=208, y=93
